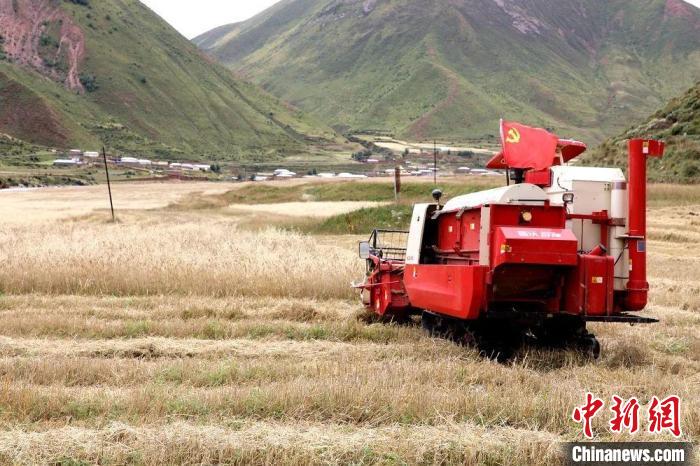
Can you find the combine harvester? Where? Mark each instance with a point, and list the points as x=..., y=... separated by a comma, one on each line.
x=558, y=247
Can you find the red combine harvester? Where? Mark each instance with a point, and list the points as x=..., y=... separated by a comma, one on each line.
x=538, y=259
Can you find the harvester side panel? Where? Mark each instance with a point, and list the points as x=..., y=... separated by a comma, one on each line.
x=589, y=290
x=544, y=246
x=454, y=290
x=458, y=237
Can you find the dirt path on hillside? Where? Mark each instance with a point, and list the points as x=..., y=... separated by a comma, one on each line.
x=420, y=127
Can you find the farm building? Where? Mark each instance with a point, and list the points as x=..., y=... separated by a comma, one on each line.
x=67, y=162
x=135, y=162
x=284, y=173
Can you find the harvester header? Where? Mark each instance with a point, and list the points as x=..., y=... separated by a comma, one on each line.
x=561, y=246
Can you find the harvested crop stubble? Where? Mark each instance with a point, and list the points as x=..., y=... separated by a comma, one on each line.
x=215, y=259
x=263, y=442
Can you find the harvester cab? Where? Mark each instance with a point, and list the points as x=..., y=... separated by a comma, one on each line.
x=562, y=246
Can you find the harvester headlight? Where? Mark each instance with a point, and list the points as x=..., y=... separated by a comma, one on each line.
x=568, y=198
x=526, y=216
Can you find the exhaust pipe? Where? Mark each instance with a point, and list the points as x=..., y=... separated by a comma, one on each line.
x=637, y=286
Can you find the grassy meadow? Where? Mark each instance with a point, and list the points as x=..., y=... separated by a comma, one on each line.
x=197, y=331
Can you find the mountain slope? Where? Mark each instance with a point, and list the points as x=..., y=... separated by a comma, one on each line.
x=451, y=68
x=80, y=72
x=678, y=124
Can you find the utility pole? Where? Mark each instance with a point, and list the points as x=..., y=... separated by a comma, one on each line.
x=109, y=184
x=435, y=162
x=397, y=183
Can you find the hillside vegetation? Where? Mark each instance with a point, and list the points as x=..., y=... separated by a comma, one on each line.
x=119, y=74
x=678, y=124
x=451, y=69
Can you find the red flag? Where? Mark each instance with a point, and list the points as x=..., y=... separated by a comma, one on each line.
x=526, y=147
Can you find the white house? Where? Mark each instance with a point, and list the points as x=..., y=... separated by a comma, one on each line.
x=284, y=173
x=67, y=162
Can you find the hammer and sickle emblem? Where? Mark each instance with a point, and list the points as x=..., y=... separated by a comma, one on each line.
x=513, y=136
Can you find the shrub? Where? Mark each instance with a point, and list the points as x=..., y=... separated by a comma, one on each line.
x=89, y=81
x=678, y=129
x=362, y=156
x=691, y=170
x=48, y=41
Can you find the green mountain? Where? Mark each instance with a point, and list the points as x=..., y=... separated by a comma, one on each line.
x=77, y=73
x=451, y=68
x=678, y=124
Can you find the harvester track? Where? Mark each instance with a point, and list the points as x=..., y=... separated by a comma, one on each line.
x=497, y=340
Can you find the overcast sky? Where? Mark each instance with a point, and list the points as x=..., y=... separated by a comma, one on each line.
x=192, y=18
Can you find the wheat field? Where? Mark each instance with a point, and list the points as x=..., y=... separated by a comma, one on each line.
x=185, y=337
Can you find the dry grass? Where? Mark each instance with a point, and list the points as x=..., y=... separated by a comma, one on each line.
x=184, y=338
x=673, y=194
x=51, y=204
x=175, y=256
